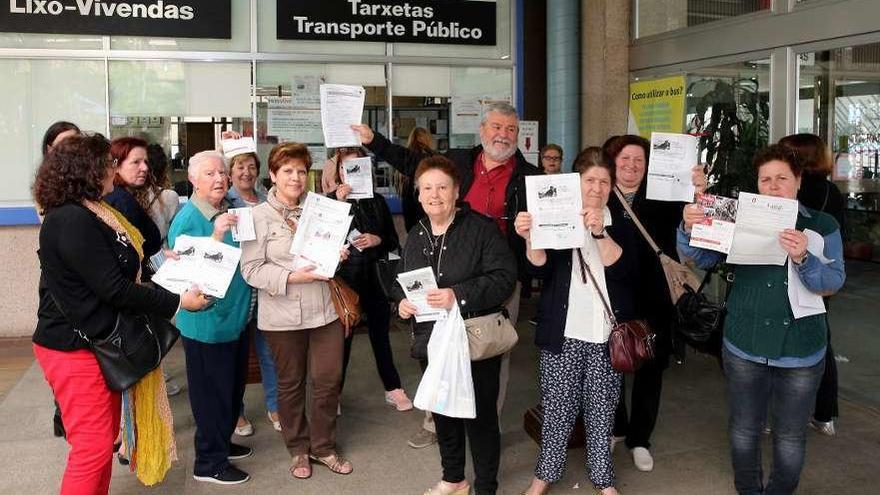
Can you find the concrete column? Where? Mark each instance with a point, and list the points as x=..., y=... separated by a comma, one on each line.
x=604, y=69
x=563, y=73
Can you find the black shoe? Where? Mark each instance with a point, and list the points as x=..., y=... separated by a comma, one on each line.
x=237, y=451
x=230, y=475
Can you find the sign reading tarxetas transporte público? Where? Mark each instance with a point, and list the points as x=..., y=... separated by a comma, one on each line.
x=420, y=21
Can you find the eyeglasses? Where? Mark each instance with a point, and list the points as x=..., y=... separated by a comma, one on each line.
x=548, y=158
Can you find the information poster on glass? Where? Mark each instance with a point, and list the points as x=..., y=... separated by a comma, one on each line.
x=305, y=92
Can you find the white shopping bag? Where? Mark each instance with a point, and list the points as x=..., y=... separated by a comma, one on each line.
x=447, y=387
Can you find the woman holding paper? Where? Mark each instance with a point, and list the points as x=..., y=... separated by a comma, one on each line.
x=375, y=238
x=773, y=359
x=244, y=172
x=572, y=331
x=629, y=154
x=296, y=317
x=474, y=268
x=214, y=340
x=89, y=258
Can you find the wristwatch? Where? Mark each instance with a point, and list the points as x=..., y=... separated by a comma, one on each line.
x=600, y=235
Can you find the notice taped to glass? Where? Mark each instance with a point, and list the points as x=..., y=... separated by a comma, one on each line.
x=453, y=22
x=158, y=18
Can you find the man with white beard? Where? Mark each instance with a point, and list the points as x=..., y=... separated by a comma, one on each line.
x=493, y=183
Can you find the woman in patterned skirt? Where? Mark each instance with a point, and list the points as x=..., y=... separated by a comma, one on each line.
x=573, y=329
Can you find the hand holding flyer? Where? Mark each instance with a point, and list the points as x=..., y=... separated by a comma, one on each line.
x=759, y=220
x=341, y=107
x=203, y=262
x=716, y=231
x=416, y=284
x=555, y=203
x=320, y=234
x=234, y=147
x=673, y=157
x=358, y=173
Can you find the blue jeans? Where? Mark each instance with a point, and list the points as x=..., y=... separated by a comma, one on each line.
x=790, y=394
x=267, y=370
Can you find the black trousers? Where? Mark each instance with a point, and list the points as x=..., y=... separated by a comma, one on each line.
x=483, y=431
x=826, y=396
x=378, y=313
x=215, y=375
x=647, y=385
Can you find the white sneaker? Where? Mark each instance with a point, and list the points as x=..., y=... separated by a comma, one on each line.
x=616, y=440
x=245, y=430
x=642, y=459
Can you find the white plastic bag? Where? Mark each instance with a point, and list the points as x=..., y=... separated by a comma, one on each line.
x=447, y=387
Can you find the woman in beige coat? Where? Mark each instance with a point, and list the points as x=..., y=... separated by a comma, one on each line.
x=297, y=318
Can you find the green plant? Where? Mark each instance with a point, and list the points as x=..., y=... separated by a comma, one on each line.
x=731, y=119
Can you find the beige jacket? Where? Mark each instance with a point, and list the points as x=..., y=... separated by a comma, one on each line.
x=265, y=264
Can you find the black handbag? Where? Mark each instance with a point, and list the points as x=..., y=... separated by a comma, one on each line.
x=697, y=319
x=134, y=348
x=386, y=275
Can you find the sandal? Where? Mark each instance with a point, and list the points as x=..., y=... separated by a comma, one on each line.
x=442, y=489
x=335, y=463
x=300, y=467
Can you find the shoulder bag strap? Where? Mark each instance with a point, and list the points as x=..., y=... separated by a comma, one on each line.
x=586, y=269
x=635, y=219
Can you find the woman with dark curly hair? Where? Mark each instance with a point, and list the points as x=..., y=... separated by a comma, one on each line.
x=57, y=132
x=90, y=258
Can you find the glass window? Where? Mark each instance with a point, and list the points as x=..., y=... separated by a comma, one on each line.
x=184, y=106
x=501, y=49
x=728, y=106
x=839, y=100
x=51, y=41
x=288, y=106
x=239, y=42
x=472, y=88
x=267, y=18
x=37, y=93
x=661, y=16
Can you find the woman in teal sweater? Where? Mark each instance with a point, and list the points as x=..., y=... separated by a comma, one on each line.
x=772, y=359
x=214, y=340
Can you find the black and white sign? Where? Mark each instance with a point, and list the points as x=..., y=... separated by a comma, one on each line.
x=162, y=18
x=419, y=21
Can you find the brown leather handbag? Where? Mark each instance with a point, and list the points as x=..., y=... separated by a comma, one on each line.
x=678, y=276
x=631, y=343
x=346, y=302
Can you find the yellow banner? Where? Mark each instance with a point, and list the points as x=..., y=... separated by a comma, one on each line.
x=656, y=105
